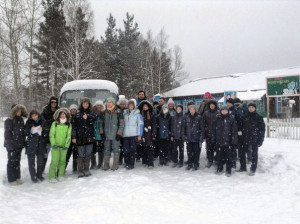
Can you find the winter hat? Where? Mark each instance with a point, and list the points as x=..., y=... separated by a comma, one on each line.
x=99, y=102
x=170, y=101
x=230, y=100
x=73, y=106
x=252, y=104
x=133, y=102
x=207, y=96
x=237, y=100
x=85, y=100
x=65, y=111
x=123, y=101
x=190, y=103
x=164, y=106
x=179, y=105
x=224, y=107
x=111, y=99
x=212, y=102
x=17, y=107
x=141, y=105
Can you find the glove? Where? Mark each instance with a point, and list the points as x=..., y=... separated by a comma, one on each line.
x=118, y=137
x=103, y=137
x=64, y=148
x=54, y=147
x=240, y=133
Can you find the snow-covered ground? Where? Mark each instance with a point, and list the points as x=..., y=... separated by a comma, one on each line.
x=162, y=195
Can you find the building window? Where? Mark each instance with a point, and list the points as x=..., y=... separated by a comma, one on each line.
x=281, y=104
x=185, y=109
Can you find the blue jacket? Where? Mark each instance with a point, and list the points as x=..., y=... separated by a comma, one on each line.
x=164, y=126
x=133, y=123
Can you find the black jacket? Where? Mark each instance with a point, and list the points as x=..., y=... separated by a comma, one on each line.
x=253, y=129
x=226, y=131
x=149, y=131
x=35, y=143
x=83, y=130
x=47, y=116
x=192, y=128
x=209, y=122
x=176, y=126
x=14, y=134
x=164, y=126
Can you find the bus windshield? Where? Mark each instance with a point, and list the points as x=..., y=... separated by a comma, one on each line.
x=73, y=96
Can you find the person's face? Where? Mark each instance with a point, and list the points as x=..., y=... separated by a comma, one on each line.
x=62, y=116
x=224, y=112
x=73, y=111
x=155, y=106
x=165, y=110
x=130, y=106
x=109, y=104
x=251, y=109
x=122, y=105
x=19, y=112
x=212, y=106
x=145, y=107
x=85, y=105
x=192, y=110
x=34, y=117
x=141, y=95
x=99, y=107
x=179, y=110
x=161, y=102
x=228, y=105
x=53, y=103
x=171, y=106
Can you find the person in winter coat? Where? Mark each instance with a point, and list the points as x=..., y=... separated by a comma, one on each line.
x=171, y=107
x=35, y=146
x=47, y=115
x=203, y=105
x=141, y=96
x=111, y=130
x=122, y=105
x=83, y=135
x=149, y=133
x=176, y=137
x=60, y=139
x=253, y=133
x=209, y=122
x=73, y=147
x=98, y=110
x=164, y=135
x=14, y=142
x=193, y=134
x=226, y=140
x=133, y=131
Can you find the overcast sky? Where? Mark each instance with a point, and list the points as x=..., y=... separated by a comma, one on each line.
x=216, y=37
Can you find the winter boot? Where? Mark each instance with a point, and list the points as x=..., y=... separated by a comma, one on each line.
x=115, y=165
x=209, y=164
x=227, y=174
x=106, y=162
x=100, y=158
x=86, y=170
x=80, y=167
x=93, y=161
x=252, y=173
x=75, y=165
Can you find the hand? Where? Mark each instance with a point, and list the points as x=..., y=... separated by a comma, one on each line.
x=172, y=139
x=32, y=129
x=118, y=137
x=84, y=116
x=54, y=147
x=40, y=129
x=153, y=139
x=240, y=133
x=139, y=138
x=74, y=140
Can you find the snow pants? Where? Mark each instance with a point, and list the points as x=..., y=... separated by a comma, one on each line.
x=193, y=151
x=35, y=173
x=254, y=158
x=225, y=156
x=210, y=150
x=178, y=145
x=147, y=155
x=58, y=162
x=111, y=145
x=129, y=147
x=13, y=164
x=164, y=146
x=72, y=150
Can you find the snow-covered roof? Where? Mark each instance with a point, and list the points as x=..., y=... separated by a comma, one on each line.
x=90, y=84
x=233, y=82
x=248, y=95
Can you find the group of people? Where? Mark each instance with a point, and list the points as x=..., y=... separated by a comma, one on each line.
x=132, y=130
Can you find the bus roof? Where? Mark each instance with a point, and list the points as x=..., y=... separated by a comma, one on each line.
x=90, y=84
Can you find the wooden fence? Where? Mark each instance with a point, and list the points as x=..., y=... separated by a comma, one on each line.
x=288, y=128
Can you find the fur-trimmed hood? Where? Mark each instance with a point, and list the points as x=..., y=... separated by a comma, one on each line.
x=140, y=107
x=14, y=110
x=87, y=100
x=99, y=102
x=59, y=111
